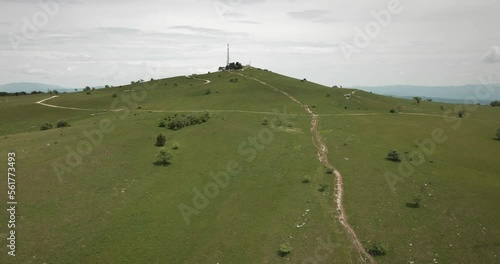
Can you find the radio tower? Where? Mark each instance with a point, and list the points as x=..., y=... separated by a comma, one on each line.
x=227, y=56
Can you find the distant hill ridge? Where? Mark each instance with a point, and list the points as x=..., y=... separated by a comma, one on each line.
x=29, y=87
x=448, y=94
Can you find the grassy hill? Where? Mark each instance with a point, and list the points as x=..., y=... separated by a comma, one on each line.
x=92, y=193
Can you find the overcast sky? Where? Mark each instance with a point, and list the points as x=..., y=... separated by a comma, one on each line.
x=75, y=43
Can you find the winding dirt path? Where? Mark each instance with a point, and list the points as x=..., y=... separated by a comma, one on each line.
x=42, y=102
x=339, y=185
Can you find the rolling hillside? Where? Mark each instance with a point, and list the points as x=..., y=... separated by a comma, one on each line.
x=264, y=172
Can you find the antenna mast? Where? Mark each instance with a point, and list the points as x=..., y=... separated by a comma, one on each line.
x=227, y=55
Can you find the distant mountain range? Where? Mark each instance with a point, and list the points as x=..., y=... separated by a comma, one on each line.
x=446, y=94
x=31, y=87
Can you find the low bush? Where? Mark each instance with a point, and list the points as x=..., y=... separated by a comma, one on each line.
x=265, y=121
x=284, y=250
x=395, y=156
x=306, y=179
x=378, y=249
x=62, y=123
x=180, y=121
x=46, y=126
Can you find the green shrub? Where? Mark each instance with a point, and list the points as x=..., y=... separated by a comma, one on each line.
x=163, y=157
x=284, y=249
x=114, y=95
x=62, y=123
x=307, y=179
x=265, y=121
x=46, y=126
x=417, y=199
x=378, y=249
x=393, y=110
x=175, y=146
x=328, y=171
x=88, y=93
x=461, y=114
x=498, y=134
x=207, y=92
x=323, y=187
x=162, y=123
x=180, y=121
x=234, y=80
x=160, y=140
x=395, y=156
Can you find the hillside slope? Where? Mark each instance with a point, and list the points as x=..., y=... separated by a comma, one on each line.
x=92, y=193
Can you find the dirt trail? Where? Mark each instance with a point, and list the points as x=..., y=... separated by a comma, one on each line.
x=339, y=186
x=41, y=102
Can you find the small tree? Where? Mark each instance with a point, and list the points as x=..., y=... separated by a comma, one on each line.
x=461, y=114
x=163, y=157
x=417, y=100
x=162, y=123
x=55, y=92
x=160, y=140
x=495, y=103
x=323, y=187
x=114, y=95
x=395, y=156
x=498, y=134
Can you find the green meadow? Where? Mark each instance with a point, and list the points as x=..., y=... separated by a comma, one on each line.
x=238, y=188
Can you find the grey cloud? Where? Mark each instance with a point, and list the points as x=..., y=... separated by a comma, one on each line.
x=208, y=31
x=317, y=16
